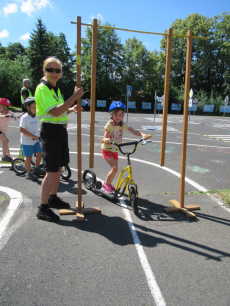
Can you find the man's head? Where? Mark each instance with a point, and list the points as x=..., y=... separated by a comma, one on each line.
x=26, y=83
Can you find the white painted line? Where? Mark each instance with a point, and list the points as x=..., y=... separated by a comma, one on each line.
x=167, y=142
x=15, y=201
x=153, y=286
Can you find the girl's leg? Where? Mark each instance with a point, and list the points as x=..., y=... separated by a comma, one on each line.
x=27, y=164
x=5, y=141
x=114, y=168
x=49, y=185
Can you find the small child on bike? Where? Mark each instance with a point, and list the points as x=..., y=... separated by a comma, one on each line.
x=114, y=130
x=5, y=116
x=30, y=143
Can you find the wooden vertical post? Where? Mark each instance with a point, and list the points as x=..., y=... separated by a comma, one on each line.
x=179, y=206
x=185, y=121
x=80, y=211
x=166, y=96
x=93, y=92
x=79, y=204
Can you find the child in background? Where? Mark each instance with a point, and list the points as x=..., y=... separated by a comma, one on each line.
x=30, y=140
x=5, y=116
x=114, y=130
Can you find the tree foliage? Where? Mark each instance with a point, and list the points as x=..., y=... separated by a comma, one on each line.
x=108, y=66
x=119, y=65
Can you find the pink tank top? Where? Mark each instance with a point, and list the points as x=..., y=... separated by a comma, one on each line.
x=4, y=122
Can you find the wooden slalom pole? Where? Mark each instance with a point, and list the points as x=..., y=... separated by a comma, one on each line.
x=179, y=206
x=93, y=93
x=166, y=96
x=79, y=210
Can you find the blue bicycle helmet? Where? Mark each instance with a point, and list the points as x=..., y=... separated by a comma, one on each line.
x=117, y=105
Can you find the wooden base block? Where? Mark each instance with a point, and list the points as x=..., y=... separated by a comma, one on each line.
x=188, y=213
x=185, y=210
x=79, y=211
x=192, y=207
x=80, y=215
x=175, y=203
x=171, y=209
x=73, y=211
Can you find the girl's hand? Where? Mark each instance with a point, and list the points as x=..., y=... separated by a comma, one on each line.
x=144, y=136
x=107, y=140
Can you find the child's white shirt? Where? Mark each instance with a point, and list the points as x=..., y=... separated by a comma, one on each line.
x=31, y=125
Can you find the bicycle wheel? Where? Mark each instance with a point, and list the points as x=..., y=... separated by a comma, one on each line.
x=66, y=173
x=89, y=179
x=133, y=199
x=33, y=161
x=18, y=165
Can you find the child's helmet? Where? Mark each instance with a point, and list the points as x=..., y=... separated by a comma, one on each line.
x=4, y=101
x=117, y=105
x=28, y=101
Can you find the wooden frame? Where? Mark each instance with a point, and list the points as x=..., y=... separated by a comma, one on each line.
x=80, y=210
x=178, y=206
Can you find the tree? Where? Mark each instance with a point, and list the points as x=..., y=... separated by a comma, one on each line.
x=136, y=59
x=2, y=51
x=109, y=63
x=38, y=51
x=14, y=50
x=210, y=58
x=67, y=81
x=222, y=52
x=12, y=73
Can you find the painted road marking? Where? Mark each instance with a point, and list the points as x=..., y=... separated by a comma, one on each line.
x=15, y=201
x=225, y=138
x=151, y=280
x=73, y=126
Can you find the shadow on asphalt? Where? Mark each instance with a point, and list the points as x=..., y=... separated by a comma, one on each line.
x=116, y=230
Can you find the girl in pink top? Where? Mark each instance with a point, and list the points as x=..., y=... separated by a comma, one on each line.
x=5, y=116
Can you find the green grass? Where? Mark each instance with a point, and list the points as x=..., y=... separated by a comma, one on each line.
x=15, y=109
x=3, y=198
x=224, y=194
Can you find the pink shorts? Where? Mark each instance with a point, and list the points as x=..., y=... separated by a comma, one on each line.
x=108, y=154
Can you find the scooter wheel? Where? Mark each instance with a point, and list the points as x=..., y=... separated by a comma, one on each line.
x=66, y=173
x=133, y=199
x=18, y=165
x=89, y=179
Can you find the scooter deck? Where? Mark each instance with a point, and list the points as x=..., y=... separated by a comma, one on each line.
x=109, y=195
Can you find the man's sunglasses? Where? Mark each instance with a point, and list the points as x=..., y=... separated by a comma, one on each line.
x=27, y=82
x=52, y=70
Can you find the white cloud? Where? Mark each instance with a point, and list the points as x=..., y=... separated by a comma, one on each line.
x=4, y=33
x=10, y=9
x=30, y=6
x=41, y=3
x=25, y=36
x=27, y=7
x=99, y=17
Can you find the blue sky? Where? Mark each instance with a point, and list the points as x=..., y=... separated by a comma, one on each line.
x=18, y=17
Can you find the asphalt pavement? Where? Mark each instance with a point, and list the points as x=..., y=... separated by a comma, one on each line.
x=116, y=257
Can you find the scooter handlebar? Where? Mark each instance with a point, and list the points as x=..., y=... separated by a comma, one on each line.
x=126, y=143
x=135, y=143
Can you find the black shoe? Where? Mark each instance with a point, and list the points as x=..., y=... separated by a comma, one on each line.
x=58, y=203
x=47, y=215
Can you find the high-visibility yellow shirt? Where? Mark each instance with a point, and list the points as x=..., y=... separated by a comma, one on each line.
x=48, y=97
x=30, y=94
